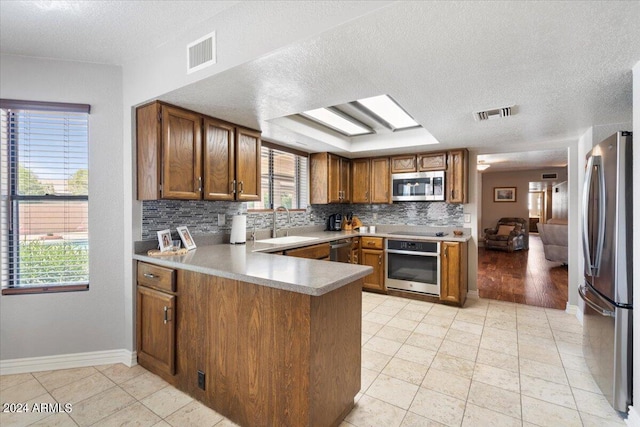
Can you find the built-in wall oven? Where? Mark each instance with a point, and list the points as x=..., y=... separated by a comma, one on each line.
x=413, y=265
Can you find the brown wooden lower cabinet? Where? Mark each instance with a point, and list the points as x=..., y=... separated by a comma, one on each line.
x=373, y=258
x=155, y=332
x=453, y=272
x=269, y=357
x=320, y=251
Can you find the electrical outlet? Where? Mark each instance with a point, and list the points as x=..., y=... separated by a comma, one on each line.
x=201, y=378
x=221, y=219
x=375, y=216
x=467, y=218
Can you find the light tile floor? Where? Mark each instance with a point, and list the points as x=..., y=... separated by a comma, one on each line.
x=491, y=363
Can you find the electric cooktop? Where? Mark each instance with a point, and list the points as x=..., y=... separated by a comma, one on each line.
x=418, y=233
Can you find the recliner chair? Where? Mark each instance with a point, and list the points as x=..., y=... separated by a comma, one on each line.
x=510, y=234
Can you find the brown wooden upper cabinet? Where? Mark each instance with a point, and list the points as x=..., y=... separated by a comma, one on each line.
x=329, y=178
x=432, y=162
x=456, y=182
x=370, y=180
x=248, y=164
x=454, y=162
x=402, y=164
x=185, y=155
x=419, y=162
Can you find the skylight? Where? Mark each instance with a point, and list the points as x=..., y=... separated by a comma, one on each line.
x=338, y=122
x=389, y=111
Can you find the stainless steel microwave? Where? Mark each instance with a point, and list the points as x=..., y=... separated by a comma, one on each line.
x=418, y=186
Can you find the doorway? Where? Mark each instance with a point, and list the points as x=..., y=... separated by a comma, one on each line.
x=524, y=276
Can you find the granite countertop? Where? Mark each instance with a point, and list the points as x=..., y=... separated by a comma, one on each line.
x=381, y=231
x=240, y=262
x=254, y=263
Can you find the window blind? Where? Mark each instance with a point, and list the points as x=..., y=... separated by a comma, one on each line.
x=45, y=235
x=284, y=180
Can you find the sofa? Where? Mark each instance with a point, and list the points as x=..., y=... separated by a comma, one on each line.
x=555, y=240
x=509, y=234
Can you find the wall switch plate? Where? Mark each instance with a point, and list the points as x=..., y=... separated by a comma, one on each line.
x=467, y=218
x=201, y=378
x=221, y=219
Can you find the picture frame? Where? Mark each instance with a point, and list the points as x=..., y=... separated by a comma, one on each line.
x=504, y=194
x=187, y=239
x=164, y=240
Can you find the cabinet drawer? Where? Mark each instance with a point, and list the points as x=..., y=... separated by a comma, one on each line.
x=156, y=277
x=320, y=251
x=371, y=242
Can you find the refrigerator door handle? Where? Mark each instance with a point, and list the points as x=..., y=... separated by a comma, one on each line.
x=582, y=290
x=593, y=163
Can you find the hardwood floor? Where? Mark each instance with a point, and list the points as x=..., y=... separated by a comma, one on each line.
x=524, y=277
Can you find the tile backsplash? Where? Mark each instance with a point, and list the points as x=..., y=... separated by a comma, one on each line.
x=202, y=216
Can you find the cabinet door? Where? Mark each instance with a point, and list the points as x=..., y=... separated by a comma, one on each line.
x=450, y=272
x=345, y=180
x=360, y=181
x=318, y=178
x=219, y=160
x=380, y=181
x=148, y=148
x=334, y=180
x=321, y=251
x=156, y=329
x=248, y=145
x=181, y=154
x=400, y=164
x=432, y=162
x=375, y=259
x=457, y=177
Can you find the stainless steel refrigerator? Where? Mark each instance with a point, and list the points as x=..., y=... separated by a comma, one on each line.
x=608, y=249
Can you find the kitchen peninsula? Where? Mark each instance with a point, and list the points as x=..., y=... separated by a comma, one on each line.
x=263, y=339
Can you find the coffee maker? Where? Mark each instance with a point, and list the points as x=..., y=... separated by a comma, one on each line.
x=334, y=222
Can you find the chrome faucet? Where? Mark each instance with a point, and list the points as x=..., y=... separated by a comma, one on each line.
x=274, y=232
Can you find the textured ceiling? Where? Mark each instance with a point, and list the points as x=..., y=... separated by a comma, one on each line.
x=565, y=65
x=524, y=161
x=105, y=32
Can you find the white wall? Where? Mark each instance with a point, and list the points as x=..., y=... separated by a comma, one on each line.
x=75, y=322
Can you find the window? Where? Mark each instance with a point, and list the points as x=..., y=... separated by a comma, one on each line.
x=284, y=179
x=44, y=205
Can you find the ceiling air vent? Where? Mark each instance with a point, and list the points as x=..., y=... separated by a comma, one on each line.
x=201, y=53
x=492, y=114
x=549, y=176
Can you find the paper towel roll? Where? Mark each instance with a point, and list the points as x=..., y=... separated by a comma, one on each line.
x=238, y=230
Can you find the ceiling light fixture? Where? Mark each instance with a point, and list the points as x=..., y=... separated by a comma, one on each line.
x=339, y=122
x=388, y=111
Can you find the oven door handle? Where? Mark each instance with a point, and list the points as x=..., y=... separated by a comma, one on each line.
x=393, y=251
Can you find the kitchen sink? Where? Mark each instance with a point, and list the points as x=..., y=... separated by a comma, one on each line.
x=287, y=239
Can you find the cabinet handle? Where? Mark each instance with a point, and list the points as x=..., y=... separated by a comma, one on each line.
x=240, y=187
x=166, y=315
x=380, y=259
x=446, y=250
x=199, y=183
x=233, y=187
x=149, y=276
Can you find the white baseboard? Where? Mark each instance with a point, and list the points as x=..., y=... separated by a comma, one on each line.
x=633, y=420
x=571, y=309
x=576, y=311
x=67, y=361
x=473, y=294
